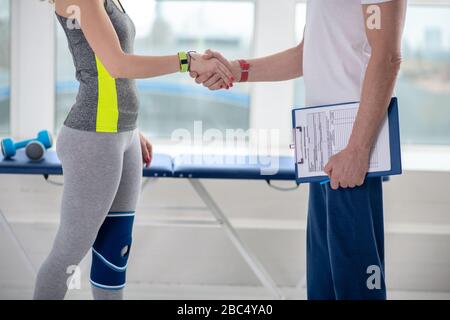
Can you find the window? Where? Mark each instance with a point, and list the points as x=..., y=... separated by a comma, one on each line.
x=424, y=83
x=4, y=66
x=175, y=101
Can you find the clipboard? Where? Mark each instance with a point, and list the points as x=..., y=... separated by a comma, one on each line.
x=313, y=143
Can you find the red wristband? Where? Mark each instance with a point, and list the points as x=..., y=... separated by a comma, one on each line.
x=245, y=70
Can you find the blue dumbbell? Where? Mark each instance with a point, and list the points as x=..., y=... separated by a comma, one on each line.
x=34, y=148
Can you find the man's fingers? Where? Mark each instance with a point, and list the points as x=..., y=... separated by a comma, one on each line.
x=221, y=58
x=209, y=54
x=360, y=182
x=226, y=63
x=201, y=78
x=214, y=79
x=328, y=168
x=334, y=183
x=204, y=77
x=193, y=74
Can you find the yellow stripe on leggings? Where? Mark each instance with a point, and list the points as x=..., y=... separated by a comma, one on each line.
x=107, y=108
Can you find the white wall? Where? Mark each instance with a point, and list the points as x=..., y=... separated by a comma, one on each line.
x=32, y=67
x=271, y=101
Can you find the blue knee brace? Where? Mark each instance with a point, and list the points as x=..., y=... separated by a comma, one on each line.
x=111, y=251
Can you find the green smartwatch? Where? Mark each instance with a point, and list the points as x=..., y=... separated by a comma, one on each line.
x=184, y=61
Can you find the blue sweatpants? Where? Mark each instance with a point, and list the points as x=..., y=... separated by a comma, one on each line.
x=345, y=242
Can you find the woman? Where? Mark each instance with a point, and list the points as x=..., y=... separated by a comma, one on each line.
x=101, y=151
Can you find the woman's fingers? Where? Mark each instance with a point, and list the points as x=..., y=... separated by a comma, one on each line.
x=145, y=153
x=147, y=150
x=218, y=85
x=150, y=152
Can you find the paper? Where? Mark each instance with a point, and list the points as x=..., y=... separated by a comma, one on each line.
x=323, y=132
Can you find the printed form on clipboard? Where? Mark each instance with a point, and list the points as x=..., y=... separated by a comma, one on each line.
x=323, y=131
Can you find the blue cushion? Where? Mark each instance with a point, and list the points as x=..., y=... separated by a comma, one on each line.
x=234, y=167
x=186, y=166
x=161, y=166
x=20, y=164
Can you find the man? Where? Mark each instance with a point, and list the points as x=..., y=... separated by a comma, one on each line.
x=351, y=51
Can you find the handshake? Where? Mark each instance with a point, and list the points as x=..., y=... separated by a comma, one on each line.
x=214, y=71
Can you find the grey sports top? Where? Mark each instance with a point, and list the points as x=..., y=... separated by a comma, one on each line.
x=103, y=104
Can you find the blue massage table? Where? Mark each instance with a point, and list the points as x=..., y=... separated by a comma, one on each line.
x=181, y=167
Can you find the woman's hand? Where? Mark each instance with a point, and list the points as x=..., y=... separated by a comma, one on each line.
x=147, y=150
x=210, y=67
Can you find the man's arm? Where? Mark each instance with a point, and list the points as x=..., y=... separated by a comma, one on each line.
x=349, y=168
x=286, y=65
x=282, y=66
x=381, y=73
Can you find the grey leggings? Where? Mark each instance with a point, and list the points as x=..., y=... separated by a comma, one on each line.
x=102, y=173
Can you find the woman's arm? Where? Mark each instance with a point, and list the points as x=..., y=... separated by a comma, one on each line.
x=103, y=39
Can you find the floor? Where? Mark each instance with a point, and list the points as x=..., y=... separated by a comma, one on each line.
x=140, y=291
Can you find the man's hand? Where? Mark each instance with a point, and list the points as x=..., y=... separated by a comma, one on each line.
x=212, y=70
x=214, y=81
x=348, y=168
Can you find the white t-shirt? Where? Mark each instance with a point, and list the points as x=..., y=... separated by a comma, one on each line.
x=336, y=51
